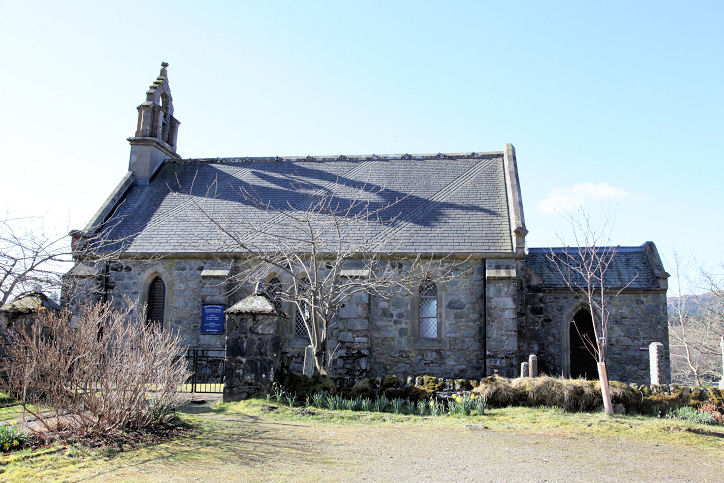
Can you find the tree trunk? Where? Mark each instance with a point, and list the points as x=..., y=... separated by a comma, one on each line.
x=319, y=361
x=605, y=390
x=320, y=355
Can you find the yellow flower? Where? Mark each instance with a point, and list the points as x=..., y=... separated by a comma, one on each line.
x=15, y=442
x=6, y=446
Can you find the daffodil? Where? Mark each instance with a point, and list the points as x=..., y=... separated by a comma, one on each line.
x=15, y=442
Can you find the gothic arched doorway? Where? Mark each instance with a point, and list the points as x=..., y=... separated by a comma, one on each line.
x=583, y=363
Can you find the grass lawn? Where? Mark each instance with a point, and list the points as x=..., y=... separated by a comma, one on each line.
x=244, y=441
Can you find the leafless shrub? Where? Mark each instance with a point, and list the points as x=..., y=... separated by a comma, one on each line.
x=102, y=371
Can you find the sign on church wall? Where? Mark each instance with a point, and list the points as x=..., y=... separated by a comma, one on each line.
x=212, y=318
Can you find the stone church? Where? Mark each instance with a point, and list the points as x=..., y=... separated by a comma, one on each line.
x=509, y=303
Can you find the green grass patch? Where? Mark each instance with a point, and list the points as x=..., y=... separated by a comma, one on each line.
x=265, y=440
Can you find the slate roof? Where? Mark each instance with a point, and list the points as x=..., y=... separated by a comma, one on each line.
x=453, y=203
x=630, y=264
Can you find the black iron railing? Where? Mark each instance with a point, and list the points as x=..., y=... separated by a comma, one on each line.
x=207, y=370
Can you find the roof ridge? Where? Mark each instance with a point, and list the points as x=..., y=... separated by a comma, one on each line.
x=342, y=157
x=620, y=248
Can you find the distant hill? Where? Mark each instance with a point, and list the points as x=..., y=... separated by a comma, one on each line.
x=695, y=303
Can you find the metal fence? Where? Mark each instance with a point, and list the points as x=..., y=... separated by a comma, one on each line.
x=207, y=370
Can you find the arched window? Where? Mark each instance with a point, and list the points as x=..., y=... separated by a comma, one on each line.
x=302, y=313
x=427, y=315
x=274, y=292
x=156, y=302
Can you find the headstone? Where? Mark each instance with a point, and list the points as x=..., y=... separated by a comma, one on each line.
x=523, y=369
x=656, y=363
x=308, y=369
x=533, y=365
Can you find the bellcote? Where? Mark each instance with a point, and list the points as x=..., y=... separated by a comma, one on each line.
x=156, y=130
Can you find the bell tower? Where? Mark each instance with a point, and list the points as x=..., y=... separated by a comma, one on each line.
x=156, y=130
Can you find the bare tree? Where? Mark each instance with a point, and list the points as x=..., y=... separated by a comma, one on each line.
x=29, y=258
x=325, y=251
x=696, y=323
x=584, y=268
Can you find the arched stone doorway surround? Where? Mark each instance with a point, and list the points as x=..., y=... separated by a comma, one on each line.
x=565, y=335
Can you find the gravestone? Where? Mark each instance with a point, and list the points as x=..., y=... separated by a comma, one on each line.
x=308, y=369
x=656, y=363
x=533, y=365
x=253, y=347
x=523, y=369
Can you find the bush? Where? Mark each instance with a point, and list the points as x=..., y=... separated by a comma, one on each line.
x=692, y=415
x=304, y=386
x=497, y=391
x=103, y=371
x=567, y=394
x=12, y=437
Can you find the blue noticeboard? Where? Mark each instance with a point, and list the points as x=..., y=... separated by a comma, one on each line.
x=212, y=319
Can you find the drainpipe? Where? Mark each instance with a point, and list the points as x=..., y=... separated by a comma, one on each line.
x=485, y=322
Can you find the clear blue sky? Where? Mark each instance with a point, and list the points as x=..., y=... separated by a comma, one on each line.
x=624, y=96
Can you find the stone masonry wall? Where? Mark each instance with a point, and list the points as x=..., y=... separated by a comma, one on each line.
x=636, y=320
x=186, y=291
x=253, y=354
x=395, y=347
x=503, y=298
x=374, y=336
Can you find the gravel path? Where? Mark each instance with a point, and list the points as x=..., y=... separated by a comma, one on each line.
x=246, y=448
x=480, y=455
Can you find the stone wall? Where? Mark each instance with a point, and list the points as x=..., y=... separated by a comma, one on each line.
x=636, y=320
x=396, y=347
x=189, y=284
x=253, y=354
x=376, y=335
x=503, y=298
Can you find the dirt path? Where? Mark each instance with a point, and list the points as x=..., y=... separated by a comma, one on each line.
x=240, y=447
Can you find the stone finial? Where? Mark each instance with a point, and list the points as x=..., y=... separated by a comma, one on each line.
x=523, y=369
x=164, y=72
x=656, y=363
x=533, y=365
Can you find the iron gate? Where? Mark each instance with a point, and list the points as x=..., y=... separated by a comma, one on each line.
x=207, y=370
